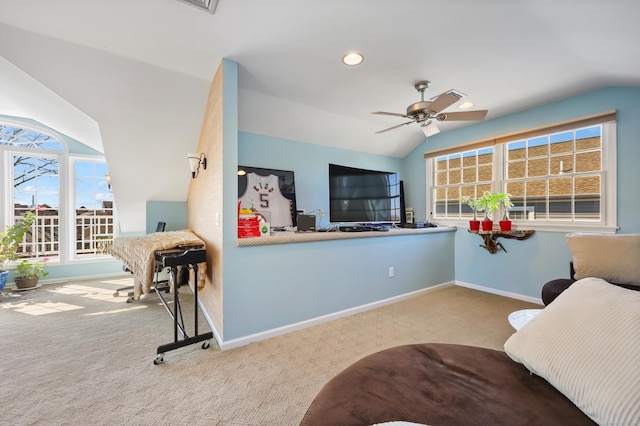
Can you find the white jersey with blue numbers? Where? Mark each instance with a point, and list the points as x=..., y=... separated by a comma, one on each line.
x=263, y=195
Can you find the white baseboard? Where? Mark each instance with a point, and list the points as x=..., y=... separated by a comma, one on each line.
x=536, y=300
x=207, y=318
x=234, y=343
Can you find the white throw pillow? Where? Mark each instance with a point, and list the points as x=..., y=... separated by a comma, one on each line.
x=587, y=345
x=613, y=258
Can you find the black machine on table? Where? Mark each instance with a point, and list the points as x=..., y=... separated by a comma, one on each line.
x=363, y=228
x=184, y=257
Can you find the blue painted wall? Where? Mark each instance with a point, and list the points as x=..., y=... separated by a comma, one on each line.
x=531, y=263
x=173, y=213
x=310, y=164
x=79, y=271
x=274, y=286
x=267, y=287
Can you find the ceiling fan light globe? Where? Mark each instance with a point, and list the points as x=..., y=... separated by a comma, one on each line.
x=430, y=129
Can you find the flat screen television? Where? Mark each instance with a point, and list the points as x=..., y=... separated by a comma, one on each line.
x=363, y=196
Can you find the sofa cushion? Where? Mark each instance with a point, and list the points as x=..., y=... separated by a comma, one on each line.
x=613, y=258
x=552, y=289
x=586, y=344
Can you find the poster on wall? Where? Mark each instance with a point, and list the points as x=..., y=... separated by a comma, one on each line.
x=268, y=191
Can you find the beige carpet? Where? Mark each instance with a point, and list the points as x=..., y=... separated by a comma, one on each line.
x=75, y=355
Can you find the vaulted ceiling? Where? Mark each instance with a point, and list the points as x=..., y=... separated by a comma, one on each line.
x=140, y=70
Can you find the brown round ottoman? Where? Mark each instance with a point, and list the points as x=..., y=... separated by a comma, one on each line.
x=439, y=385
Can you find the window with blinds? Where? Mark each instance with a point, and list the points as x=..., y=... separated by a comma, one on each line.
x=556, y=175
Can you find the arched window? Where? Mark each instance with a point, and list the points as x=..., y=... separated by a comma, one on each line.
x=68, y=194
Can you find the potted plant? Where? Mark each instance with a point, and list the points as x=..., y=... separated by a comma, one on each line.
x=28, y=274
x=474, y=224
x=505, y=201
x=10, y=239
x=489, y=202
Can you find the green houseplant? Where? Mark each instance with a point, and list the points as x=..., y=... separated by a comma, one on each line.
x=28, y=273
x=10, y=239
x=488, y=203
x=506, y=203
x=474, y=224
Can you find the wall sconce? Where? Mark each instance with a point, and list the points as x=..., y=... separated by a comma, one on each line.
x=195, y=161
x=107, y=176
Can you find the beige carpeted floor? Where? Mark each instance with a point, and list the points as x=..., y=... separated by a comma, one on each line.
x=75, y=355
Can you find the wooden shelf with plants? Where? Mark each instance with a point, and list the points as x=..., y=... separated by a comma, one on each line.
x=491, y=242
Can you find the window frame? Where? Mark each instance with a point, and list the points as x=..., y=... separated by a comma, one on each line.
x=71, y=203
x=608, y=190
x=38, y=153
x=66, y=189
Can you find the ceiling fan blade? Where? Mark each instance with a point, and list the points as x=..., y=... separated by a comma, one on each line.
x=395, y=114
x=463, y=115
x=441, y=102
x=394, y=127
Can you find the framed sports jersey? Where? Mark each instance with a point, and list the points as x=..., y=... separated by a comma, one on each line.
x=268, y=190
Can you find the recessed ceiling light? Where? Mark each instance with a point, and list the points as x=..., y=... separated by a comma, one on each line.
x=353, y=58
x=465, y=105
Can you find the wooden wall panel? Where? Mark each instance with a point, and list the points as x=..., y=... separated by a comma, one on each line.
x=204, y=202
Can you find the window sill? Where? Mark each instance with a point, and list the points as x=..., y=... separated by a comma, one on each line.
x=540, y=226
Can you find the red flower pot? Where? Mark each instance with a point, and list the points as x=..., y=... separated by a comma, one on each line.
x=474, y=225
x=487, y=225
x=505, y=225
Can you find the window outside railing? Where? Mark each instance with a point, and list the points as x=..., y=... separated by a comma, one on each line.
x=94, y=234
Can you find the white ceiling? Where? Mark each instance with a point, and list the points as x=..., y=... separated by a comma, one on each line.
x=142, y=68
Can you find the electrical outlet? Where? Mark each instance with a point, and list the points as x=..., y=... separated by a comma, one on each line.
x=392, y=271
x=321, y=212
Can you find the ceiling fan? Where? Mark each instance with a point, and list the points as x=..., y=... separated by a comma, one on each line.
x=426, y=112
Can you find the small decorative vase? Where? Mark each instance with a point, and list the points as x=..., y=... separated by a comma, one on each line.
x=474, y=225
x=487, y=225
x=505, y=225
x=22, y=282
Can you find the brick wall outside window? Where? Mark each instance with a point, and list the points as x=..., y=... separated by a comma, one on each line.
x=556, y=172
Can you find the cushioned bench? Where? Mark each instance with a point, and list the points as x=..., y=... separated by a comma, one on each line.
x=553, y=288
x=612, y=257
